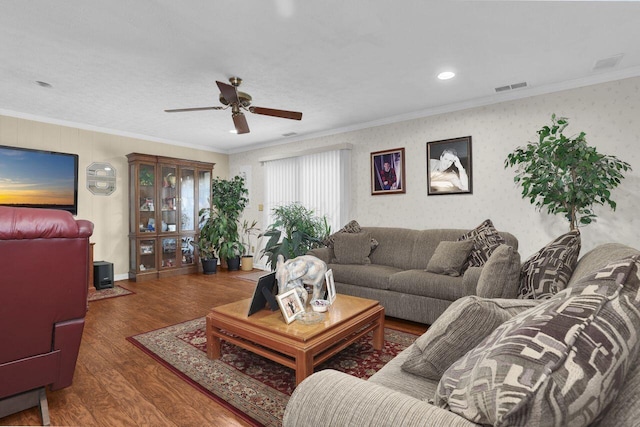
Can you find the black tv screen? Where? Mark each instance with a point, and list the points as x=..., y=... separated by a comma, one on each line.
x=38, y=179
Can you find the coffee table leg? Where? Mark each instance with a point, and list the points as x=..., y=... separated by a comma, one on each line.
x=213, y=342
x=304, y=366
x=378, y=333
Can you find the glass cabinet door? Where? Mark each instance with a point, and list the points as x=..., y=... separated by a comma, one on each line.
x=187, y=200
x=204, y=189
x=147, y=252
x=146, y=199
x=169, y=199
x=169, y=250
x=188, y=251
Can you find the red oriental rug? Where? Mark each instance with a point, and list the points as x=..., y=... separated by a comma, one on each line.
x=255, y=388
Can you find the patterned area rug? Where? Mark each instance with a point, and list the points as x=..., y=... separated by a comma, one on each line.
x=116, y=291
x=255, y=388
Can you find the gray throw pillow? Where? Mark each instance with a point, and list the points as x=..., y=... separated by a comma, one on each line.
x=352, y=248
x=460, y=328
x=548, y=271
x=450, y=257
x=499, y=276
x=560, y=363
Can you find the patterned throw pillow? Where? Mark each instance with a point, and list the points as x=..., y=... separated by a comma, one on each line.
x=351, y=227
x=460, y=328
x=485, y=240
x=450, y=258
x=560, y=363
x=548, y=271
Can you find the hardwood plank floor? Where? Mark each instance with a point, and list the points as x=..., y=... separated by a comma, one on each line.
x=116, y=384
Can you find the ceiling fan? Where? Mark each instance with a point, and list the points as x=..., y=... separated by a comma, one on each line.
x=230, y=96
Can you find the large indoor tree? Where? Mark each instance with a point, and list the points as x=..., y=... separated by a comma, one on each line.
x=565, y=175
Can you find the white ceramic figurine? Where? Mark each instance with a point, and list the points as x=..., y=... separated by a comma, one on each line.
x=300, y=271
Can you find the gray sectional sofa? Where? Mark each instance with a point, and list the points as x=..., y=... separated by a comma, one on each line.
x=396, y=273
x=394, y=397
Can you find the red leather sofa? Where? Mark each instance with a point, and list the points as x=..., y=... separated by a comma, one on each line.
x=44, y=274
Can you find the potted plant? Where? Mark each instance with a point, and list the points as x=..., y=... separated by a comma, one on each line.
x=248, y=230
x=208, y=240
x=566, y=175
x=295, y=231
x=229, y=199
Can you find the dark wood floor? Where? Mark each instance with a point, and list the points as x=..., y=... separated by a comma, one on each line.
x=116, y=384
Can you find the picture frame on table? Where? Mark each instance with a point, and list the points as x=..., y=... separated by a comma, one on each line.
x=387, y=172
x=331, y=286
x=290, y=305
x=449, y=166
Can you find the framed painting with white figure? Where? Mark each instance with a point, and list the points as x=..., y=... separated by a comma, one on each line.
x=449, y=166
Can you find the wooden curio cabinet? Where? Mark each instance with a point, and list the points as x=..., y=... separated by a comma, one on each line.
x=165, y=195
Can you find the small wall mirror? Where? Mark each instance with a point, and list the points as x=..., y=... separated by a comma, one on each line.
x=101, y=178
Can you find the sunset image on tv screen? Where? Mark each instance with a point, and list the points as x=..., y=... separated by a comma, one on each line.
x=36, y=178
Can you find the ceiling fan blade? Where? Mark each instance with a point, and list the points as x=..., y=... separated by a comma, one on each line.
x=241, y=123
x=178, y=110
x=294, y=115
x=228, y=92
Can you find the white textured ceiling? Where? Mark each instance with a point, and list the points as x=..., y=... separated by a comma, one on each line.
x=116, y=65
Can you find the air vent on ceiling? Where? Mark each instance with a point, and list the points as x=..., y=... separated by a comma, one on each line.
x=510, y=87
x=289, y=134
x=610, y=62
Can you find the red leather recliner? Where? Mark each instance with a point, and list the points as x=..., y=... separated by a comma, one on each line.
x=44, y=274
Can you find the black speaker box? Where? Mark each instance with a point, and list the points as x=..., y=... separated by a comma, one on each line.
x=102, y=275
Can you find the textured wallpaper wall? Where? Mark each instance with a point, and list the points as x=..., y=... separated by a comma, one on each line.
x=606, y=112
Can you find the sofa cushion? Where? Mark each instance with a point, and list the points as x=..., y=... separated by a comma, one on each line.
x=352, y=248
x=548, y=271
x=459, y=329
x=393, y=376
x=499, y=276
x=450, y=257
x=426, y=284
x=367, y=275
x=485, y=240
x=351, y=227
x=559, y=363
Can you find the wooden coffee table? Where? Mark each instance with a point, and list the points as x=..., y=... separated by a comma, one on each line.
x=296, y=345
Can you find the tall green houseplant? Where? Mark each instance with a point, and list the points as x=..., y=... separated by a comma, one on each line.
x=228, y=197
x=565, y=175
x=295, y=230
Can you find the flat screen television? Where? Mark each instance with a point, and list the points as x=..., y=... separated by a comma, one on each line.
x=38, y=179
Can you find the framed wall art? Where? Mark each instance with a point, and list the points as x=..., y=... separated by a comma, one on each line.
x=449, y=166
x=387, y=172
x=290, y=305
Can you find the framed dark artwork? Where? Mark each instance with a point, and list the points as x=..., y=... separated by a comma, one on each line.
x=449, y=166
x=387, y=172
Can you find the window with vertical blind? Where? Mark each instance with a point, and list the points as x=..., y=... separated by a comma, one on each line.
x=319, y=181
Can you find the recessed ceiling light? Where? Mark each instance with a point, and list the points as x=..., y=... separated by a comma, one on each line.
x=446, y=75
x=233, y=131
x=43, y=84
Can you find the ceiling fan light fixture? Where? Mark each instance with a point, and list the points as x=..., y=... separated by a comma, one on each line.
x=446, y=75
